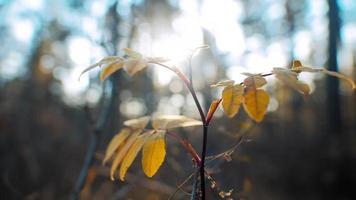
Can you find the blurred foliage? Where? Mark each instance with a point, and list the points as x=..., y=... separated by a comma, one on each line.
x=293, y=154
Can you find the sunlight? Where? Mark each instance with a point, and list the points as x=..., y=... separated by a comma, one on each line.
x=79, y=49
x=72, y=87
x=221, y=19
x=22, y=29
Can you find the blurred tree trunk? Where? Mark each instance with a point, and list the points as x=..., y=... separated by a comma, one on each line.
x=332, y=84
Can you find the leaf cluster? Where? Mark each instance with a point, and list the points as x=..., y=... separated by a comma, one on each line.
x=134, y=137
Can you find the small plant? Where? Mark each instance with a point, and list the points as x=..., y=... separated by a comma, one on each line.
x=135, y=136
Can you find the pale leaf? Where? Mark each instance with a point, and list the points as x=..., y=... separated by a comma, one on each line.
x=289, y=78
x=139, y=123
x=115, y=143
x=153, y=153
x=255, y=81
x=132, y=153
x=223, y=83
x=110, y=69
x=256, y=103
x=173, y=121
x=232, y=98
x=248, y=74
x=132, y=54
x=122, y=152
x=157, y=59
x=132, y=66
x=327, y=72
x=105, y=60
x=341, y=76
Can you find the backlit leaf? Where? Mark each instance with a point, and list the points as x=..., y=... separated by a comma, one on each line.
x=122, y=152
x=289, y=78
x=232, y=98
x=115, y=143
x=256, y=103
x=223, y=83
x=173, y=121
x=105, y=60
x=255, y=81
x=110, y=69
x=298, y=67
x=340, y=76
x=131, y=53
x=153, y=154
x=327, y=72
x=157, y=59
x=132, y=66
x=139, y=123
x=132, y=153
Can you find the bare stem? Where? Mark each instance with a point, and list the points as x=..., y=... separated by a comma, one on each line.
x=187, y=82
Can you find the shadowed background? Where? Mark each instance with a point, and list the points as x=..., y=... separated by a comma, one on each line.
x=304, y=149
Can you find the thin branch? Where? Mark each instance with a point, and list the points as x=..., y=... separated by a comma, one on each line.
x=188, y=85
x=227, y=152
x=92, y=146
x=195, y=186
x=202, y=165
x=187, y=146
x=182, y=184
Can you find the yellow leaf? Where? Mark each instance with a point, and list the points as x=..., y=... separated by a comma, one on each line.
x=105, y=60
x=139, y=123
x=122, y=152
x=173, y=121
x=132, y=153
x=223, y=83
x=232, y=98
x=115, y=143
x=300, y=68
x=340, y=76
x=153, y=154
x=255, y=81
x=213, y=106
x=296, y=64
x=289, y=78
x=132, y=54
x=133, y=65
x=156, y=59
x=110, y=69
x=256, y=103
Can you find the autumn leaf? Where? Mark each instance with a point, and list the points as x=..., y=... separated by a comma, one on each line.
x=105, y=60
x=254, y=81
x=122, y=152
x=223, y=83
x=111, y=68
x=256, y=103
x=232, y=98
x=132, y=153
x=289, y=78
x=132, y=54
x=115, y=143
x=153, y=153
x=135, y=63
x=327, y=72
x=139, y=123
x=132, y=66
x=213, y=106
x=173, y=121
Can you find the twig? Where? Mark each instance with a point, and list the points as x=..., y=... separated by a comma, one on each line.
x=93, y=141
x=182, y=184
x=195, y=186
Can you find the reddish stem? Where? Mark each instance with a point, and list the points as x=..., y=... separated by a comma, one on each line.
x=188, y=147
